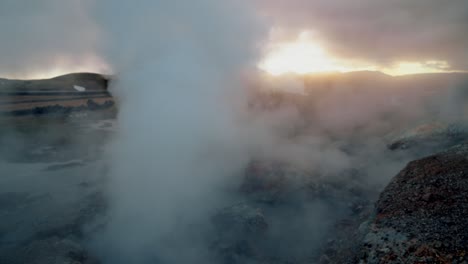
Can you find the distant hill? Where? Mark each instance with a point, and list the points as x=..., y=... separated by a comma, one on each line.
x=62, y=94
x=92, y=82
x=343, y=102
x=378, y=80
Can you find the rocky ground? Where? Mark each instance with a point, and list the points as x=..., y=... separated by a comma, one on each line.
x=421, y=216
x=61, y=95
x=53, y=177
x=50, y=190
x=291, y=217
x=50, y=194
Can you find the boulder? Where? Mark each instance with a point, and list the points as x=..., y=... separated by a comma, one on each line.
x=430, y=138
x=239, y=229
x=421, y=216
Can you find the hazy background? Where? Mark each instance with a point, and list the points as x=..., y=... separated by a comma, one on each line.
x=178, y=79
x=193, y=111
x=382, y=32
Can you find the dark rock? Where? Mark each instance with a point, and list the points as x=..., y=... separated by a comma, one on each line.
x=421, y=215
x=64, y=166
x=430, y=138
x=239, y=228
x=52, y=250
x=240, y=220
x=266, y=181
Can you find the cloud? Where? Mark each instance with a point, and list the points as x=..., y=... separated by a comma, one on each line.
x=39, y=36
x=380, y=31
x=178, y=79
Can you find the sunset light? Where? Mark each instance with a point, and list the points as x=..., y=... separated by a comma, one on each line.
x=301, y=56
x=61, y=66
x=232, y=132
x=306, y=56
x=405, y=68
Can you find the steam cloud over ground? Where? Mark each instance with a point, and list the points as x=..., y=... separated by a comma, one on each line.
x=203, y=159
x=384, y=32
x=179, y=68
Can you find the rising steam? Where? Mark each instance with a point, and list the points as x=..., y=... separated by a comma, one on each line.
x=179, y=65
x=188, y=125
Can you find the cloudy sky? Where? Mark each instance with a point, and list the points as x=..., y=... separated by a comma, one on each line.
x=380, y=31
x=50, y=36
x=39, y=36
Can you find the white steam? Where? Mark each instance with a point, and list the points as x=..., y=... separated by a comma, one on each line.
x=179, y=66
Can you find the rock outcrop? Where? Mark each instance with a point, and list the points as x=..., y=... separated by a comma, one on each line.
x=421, y=217
x=427, y=138
x=58, y=96
x=240, y=227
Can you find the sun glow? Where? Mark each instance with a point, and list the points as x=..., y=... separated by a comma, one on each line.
x=61, y=66
x=54, y=72
x=404, y=68
x=305, y=56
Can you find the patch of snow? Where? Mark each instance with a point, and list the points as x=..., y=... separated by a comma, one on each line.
x=79, y=88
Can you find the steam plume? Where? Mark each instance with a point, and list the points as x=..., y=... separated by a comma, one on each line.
x=179, y=66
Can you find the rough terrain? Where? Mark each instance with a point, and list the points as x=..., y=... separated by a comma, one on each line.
x=421, y=216
x=53, y=179
x=58, y=95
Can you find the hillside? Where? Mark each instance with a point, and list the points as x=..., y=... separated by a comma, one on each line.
x=67, y=93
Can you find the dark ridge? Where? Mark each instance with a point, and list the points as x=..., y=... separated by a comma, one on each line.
x=45, y=93
x=81, y=76
x=91, y=81
x=56, y=99
x=61, y=110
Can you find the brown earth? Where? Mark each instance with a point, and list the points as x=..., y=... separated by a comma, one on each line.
x=421, y=215
x=57, y=95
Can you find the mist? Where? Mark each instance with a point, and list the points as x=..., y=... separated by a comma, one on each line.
x=58, y=34
x=179, y=67
x=383, y=32
x=203, y=142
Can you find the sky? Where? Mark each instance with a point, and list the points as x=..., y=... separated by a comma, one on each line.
x=380, y=32
x=45, y=38
x=183, y=132
x=393, y=36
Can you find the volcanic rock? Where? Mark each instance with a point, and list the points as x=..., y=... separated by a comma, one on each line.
x=239, y=228
x=421, y=215
x=430, y=138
